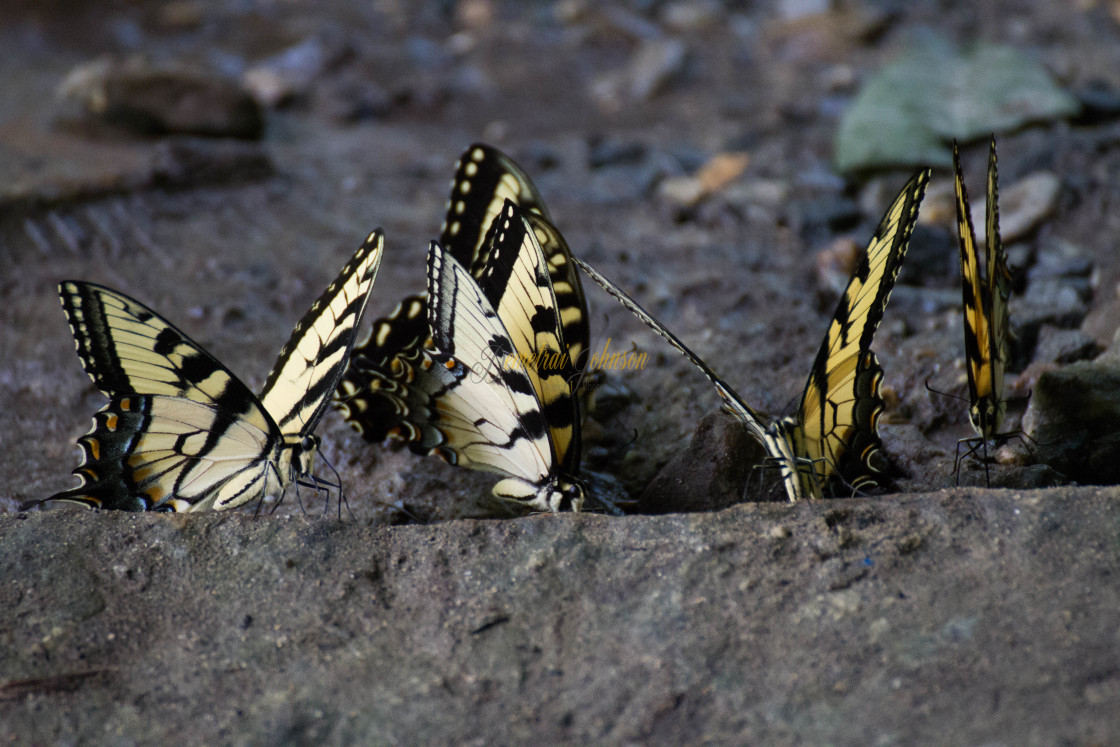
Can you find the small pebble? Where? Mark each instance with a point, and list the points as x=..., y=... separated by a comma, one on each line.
x=651, y=68
x=1024, y=205
x=690, y=15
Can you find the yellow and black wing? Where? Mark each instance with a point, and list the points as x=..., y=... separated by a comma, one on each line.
x=298, y=389
x=499, y=385
x=485, y=178
x=835, y=431
x=378, y=386
x=986, y=319
x=181, y=431
x=836, y=427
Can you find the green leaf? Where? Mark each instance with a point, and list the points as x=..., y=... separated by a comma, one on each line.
x=906, y=113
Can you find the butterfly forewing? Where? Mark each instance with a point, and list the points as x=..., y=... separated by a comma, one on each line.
x=517, y=283
x=310, y=365
x=999, y=293
x=571, y=304
x=977, y=331
x=841, y=403
x=484, y=179
x=126, y=347
x=486, y=410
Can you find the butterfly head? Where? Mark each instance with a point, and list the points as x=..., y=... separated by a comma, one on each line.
x=297, y=458
x=987, y=415
x=566, y=495
x=556, y=494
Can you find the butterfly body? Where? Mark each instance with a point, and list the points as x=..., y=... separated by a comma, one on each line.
x=181, y=432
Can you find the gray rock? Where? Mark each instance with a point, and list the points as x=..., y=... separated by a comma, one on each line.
x=1058, y=301
x=571, y=629
x=1059, y=259
x=183, y=162
x=931, y=259
x=1100, y=102
x=691, y=15
x=1074, y=419
x=607, y=151
x=655, y=63
x=290, y=74
x=1064, y=345
x=1024, y=205
x=908, y=301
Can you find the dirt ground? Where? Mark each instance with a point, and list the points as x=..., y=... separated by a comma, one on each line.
x=777, y=628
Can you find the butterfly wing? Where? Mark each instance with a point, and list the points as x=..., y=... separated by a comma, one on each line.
x=836, y=428
x=374, y=393
x=298, y=388
x=384, y=379
x=999, y=292
x=518, y=284
x=160, y=382
x=484, y=179
x=157, y=452
x=571, y=304
x=485, y=413
x=126, y=348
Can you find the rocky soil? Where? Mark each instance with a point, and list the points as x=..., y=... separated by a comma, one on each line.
x=687, y=149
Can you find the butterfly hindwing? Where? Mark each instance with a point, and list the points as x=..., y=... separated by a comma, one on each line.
x=180, y=431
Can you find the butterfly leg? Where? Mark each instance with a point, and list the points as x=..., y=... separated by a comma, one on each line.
x=976, y=445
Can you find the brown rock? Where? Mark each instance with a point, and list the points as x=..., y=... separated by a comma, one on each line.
x=139, y=98
x=709, y=474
